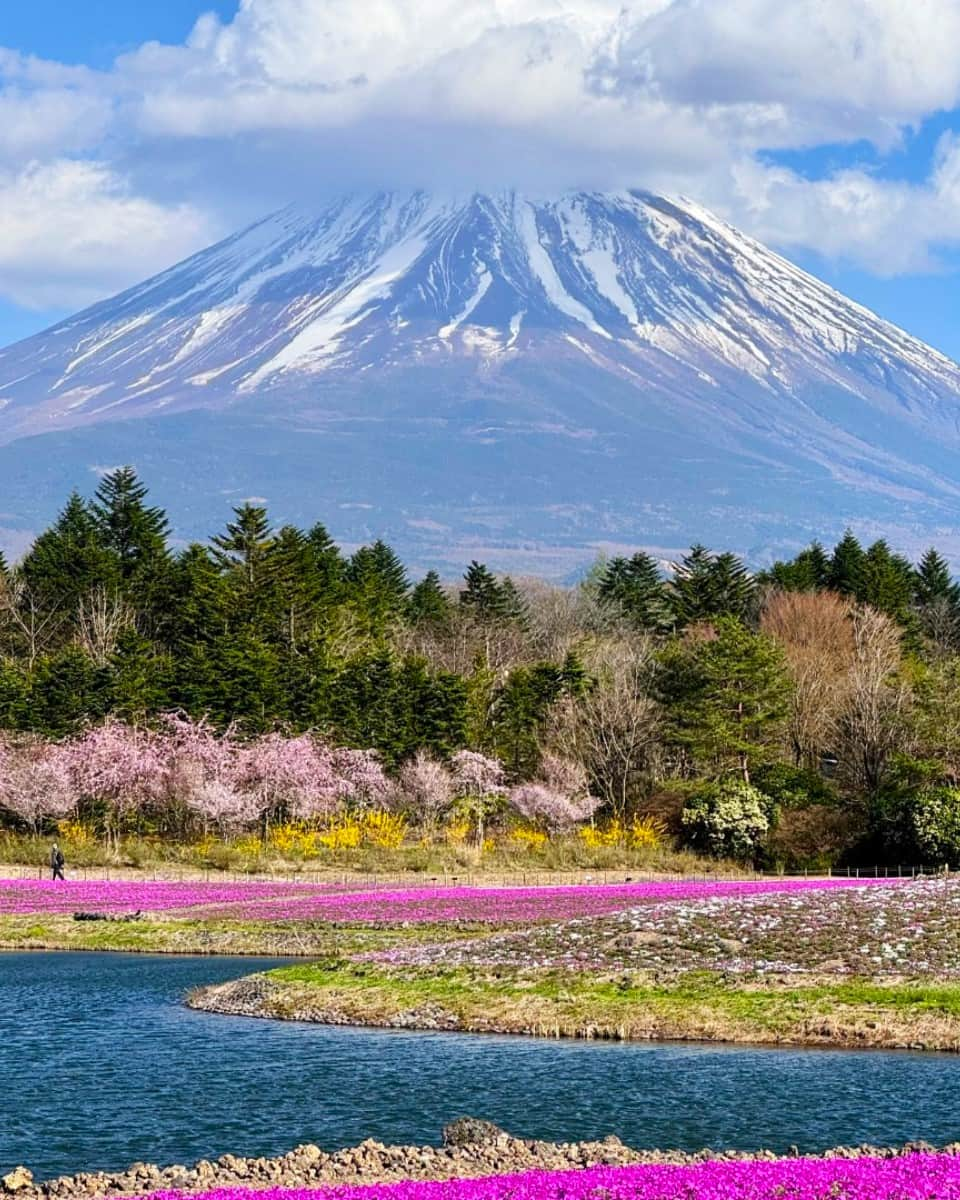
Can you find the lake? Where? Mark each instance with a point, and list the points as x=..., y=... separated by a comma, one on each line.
x=102, y=1065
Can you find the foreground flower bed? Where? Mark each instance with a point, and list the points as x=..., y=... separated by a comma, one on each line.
x=911, y=929
x=907, y=1177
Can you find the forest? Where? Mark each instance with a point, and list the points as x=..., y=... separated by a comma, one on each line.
x=801, y=716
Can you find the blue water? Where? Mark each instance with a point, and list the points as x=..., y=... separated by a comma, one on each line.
x=101, y=1065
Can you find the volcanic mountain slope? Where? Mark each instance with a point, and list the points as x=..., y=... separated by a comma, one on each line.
x=531, y=379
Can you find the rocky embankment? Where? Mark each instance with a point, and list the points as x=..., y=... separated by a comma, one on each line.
x=471, y=1148
x=261, y=996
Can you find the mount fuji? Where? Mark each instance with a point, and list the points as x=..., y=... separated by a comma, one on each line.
x=502, y=376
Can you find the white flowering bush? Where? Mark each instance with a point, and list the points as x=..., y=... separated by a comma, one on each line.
x=726, y=819
x=933, y=817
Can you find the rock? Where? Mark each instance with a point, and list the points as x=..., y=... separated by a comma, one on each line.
x=468, y=1131
x=640, y=937
x=19, y=1180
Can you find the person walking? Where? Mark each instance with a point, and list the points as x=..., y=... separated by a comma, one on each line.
x=57, y=862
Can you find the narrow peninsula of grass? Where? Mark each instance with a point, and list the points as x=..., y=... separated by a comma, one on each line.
x=156, y=935
x=698, y=1006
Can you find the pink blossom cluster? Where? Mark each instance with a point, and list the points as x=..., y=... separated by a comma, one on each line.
x=905, y=1177
x=190, y=774
x=186, y=766
x=504, y=906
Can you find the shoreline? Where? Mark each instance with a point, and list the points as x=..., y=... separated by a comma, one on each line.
x=811, y=1015
x=472, y=1149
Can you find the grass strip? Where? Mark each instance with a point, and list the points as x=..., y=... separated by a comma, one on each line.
x=699, y=1006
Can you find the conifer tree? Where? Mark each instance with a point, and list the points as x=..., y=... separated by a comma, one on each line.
x=733, y=590
x=845, y=574
x=513, y=604
x=129, y=528
x=328, y=562
x=378, y=586
x=705, y=585
x=691, y=588
x=292, y=587
x=937, y=600
x=808, y=572
x=482, y=593
x=243, y=548
x=887, y=582
x=429, y=603
x=933, y=581
x=199, y=605
x=69, y=560
x=634, y=584
x=725, y=695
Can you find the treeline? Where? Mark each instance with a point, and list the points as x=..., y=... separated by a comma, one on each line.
x=805, y=713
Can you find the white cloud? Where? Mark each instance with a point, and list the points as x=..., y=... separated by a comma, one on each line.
x=70, y=233
x=889, y=227
x=314, y=96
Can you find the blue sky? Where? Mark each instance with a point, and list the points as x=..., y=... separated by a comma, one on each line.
x=94, y=32
x=132, y=132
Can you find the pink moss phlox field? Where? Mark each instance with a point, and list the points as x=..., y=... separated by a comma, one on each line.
x=907, y=1177
x=267, y=901
x=499, y=906
x=123, y=896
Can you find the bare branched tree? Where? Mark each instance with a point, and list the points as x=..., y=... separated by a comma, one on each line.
x=614, y=729
x=872, y=723
x=28, y=624
x=816, y=631
x=102, y=616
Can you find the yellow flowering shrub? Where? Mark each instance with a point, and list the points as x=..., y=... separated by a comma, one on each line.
x=457, y=832
x=595, y=836
x=384, y=829
x=642, y=833
x=645, y=833
x=295, y=840
x=75, y=833
x=248, y=845
x=345, y=834
x=528, y=839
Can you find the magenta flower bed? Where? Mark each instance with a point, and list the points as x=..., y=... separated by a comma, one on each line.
x=265, y=901
x=121, y=896
x=506, y=905
x=910, y=1177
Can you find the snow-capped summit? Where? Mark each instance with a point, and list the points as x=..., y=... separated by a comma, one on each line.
x=641, y=358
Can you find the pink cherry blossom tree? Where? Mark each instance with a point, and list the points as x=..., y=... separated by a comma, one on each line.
x=36, y=784
x=479, y=786
x=199, y=768
x=294, y=776
x=363, y=783
x=559, y=800
x=553, y=811
x=119, y=768
x=426, y=788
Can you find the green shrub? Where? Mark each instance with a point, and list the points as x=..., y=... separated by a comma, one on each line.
x=729, y=819
x=793, y=787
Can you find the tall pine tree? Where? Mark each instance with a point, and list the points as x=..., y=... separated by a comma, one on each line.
x=635, y=586
x=845, y=574
x=129, y=528
x=429, y=604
